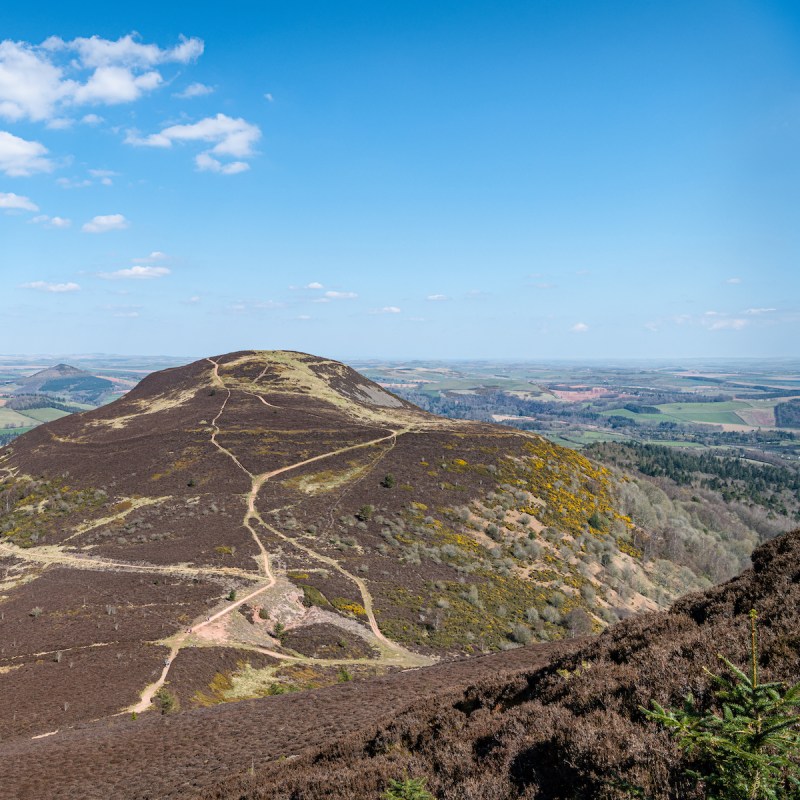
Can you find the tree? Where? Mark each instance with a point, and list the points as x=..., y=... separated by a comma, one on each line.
x=408, y=789
x=751, y=751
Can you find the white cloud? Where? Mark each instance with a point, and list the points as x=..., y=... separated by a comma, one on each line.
x=734, y=324
x=194, y=299
x=156, y=255
x=314, y=285
x=303, y=317
x=9, y=201
x=60, y=123
x=341, y=295
x=733, y=280
x=231, y=138
x=194, y=90
x=30, y=85
x=127, y=51
x=52, y=222
x=57, y=288
x=126, y=314
x=39, y=82
x=91, y=119
x=207, y=163
x=757, y=311
x=105, y=223
x=114, y=85
x=136, y=273
x=390, y=310
x=73, y=183
x=269, y=98
x=579, y=327
x=20, y=157
x=437, y=297
x=104, y=175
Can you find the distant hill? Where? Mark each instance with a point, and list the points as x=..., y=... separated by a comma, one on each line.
x=65, y=381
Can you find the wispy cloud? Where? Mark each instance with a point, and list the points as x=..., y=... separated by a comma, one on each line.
x=579, y=327
x=136, y=273
x=56, y=288
x=194, y=90
x=437, y=298
x=247, y=306
x=728, y=323
x=106, y=223
x=331, y=295
x=104, y=175
x=733, y=280
x=156, y=255
x=52, y=222
x=758, y=311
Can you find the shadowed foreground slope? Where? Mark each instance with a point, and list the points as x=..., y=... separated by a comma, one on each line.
x=566, y=730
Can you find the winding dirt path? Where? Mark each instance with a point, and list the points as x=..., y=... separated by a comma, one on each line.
x=52, y=554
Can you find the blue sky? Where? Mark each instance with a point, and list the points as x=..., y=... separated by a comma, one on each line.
x=532, y=179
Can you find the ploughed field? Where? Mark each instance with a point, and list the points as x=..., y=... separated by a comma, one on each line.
x=262, y=524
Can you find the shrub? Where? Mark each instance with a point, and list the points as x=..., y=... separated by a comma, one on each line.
x=365, y=513
x=232, y=595
x=521, y=634
x=388, y=481
x=578, y=622
x=551, y=615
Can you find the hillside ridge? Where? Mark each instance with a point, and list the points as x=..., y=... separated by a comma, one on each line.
x=259, y=523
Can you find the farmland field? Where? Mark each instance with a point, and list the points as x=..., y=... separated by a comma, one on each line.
x=13, y=419
x=44, y=414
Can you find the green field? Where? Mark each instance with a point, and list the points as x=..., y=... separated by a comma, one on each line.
x=723, y=413
x=13, y=419
x=716, y=413
x=44, y=414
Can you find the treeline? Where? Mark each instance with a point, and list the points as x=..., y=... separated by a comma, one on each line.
x=775, y=488
x=787, y=415
x=28, y=402
x=484, y=403
x=8, y=437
